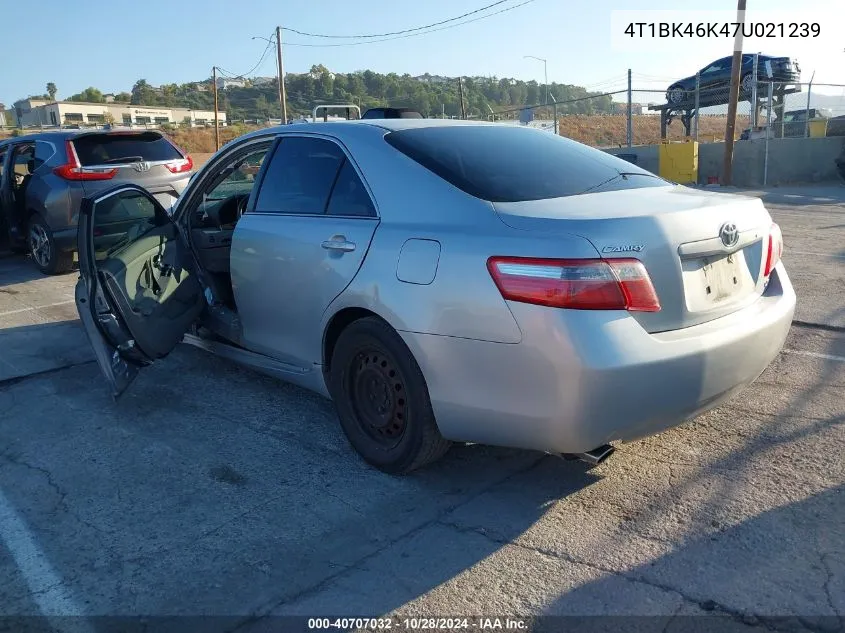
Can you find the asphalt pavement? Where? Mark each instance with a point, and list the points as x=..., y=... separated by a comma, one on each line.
x=211, y=490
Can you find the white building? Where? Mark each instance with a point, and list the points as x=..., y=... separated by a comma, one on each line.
x=223, y=83
x=36, y=112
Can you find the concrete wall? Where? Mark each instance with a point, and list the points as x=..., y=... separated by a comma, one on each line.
x=791, y=160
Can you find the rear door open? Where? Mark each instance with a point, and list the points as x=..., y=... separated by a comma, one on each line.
x=138, y=291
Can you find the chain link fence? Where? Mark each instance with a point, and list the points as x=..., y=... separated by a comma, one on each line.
x=602, y=120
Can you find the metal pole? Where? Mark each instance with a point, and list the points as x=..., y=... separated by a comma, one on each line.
x=556, y=126
x=629, y=135
x=546, y=80
x=730, y=127
x=807, y=114
x=282, y=96
x=697, y=96
x=461, y=97
x=216, y=124
x=754, y=108
x=768, y=133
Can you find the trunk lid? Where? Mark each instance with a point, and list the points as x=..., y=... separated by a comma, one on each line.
x=677, y=233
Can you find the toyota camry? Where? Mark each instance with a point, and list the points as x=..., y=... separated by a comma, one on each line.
x=444, y=281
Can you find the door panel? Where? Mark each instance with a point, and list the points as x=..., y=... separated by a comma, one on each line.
x=157, y=297
x=138, y=291
x=284, y=278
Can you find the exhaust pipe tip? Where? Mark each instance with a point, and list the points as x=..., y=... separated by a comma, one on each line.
x=593, y=457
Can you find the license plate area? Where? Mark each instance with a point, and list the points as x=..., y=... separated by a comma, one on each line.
x=716, y=280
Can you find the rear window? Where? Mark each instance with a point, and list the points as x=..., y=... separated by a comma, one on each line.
x=502, y=163
x=391, y=113
x=105, y=149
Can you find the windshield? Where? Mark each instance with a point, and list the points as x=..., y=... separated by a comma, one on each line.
x=503, y=163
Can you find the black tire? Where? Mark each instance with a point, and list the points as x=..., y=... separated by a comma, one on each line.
x=42, y=248
x=382, y=399
x=747, y=78
x=675, y=94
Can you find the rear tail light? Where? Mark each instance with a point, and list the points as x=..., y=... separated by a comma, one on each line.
x=72, y=170
x=180, y=166
x=774, y=249
x=578, y=284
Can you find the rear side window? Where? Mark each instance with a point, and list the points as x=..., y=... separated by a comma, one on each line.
x=106, y=149
x=503, y=163
x=349, y=197
x=300, y=176
x=43, y=152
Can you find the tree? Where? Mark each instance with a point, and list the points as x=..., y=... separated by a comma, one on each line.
x=51, y=90
x=89, y=95
x=122, y=97
x=262, y=107
x=143, y=94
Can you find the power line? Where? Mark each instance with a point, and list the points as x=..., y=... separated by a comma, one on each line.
x=231, y=75
x=418, y=28
x=400, y=37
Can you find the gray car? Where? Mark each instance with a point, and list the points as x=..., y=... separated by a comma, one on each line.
x=43, y=178
x=444, y=281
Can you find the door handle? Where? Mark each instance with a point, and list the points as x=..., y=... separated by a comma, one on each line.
x=339, y=243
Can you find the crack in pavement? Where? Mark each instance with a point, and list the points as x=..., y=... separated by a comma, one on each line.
x=263, y=612
x=60, y=492
x=829, y=573
x=708, y=605
x=14, y=380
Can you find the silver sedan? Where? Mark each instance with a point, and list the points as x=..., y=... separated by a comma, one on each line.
x=445, y=282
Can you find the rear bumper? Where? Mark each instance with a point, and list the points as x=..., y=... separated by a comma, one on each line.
x=579, y=379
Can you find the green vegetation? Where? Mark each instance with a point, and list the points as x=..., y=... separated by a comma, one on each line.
x=430, y=95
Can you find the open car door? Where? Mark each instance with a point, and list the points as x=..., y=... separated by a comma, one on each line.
x=138, y=291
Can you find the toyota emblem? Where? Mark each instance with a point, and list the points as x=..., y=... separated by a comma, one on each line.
x=729, y=234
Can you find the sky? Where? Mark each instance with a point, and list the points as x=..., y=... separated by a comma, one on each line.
x=180, y=41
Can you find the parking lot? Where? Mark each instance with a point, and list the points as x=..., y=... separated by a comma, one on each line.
x=208, y=489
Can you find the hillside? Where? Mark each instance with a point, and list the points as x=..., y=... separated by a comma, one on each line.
x=430, y=95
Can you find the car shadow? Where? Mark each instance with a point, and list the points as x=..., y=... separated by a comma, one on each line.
x=17, y=269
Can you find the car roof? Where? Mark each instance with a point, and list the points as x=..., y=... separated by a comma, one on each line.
x=386, y=124
x=340, y=128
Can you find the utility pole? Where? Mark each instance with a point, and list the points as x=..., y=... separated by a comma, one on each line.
x=216, y=122
x=754, y=108
x=545, y=75
x=697, y=100
x=461, y=96
x=630, y=113
x=282, y=96
x=733, y=96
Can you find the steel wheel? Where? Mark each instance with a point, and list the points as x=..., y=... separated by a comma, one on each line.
x=377, y=393
x=39, y=245
x=382, y=399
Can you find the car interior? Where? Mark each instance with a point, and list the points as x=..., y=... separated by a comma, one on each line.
x=212, y=223
x=23, y=162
